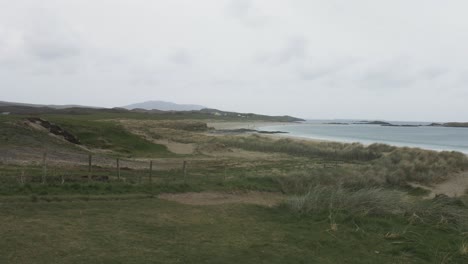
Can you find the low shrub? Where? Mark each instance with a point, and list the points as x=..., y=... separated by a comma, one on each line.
x=369, y=201
x=440, y=211
x=396, y=168
x=326, y=150
x=404, y=165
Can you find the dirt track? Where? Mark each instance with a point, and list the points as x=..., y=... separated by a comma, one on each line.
x=216, y=198
x=453, y=187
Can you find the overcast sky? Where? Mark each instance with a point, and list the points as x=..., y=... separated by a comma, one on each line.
x=374, y=59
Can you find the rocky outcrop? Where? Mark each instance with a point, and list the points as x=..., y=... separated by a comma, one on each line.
x=55, y=129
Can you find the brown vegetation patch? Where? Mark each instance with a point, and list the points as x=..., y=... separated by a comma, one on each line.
x=216, y=198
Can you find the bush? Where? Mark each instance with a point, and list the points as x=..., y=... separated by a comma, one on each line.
x=370, y=201
x=397, y=168
x=416, y=165
x=301, y=182
x=440, y=211
x=388, y=164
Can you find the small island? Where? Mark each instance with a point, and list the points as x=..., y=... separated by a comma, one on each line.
x=383, y=123
x=450, y=124
x=336, y=123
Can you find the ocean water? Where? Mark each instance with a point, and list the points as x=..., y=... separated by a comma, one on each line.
x=434, y=138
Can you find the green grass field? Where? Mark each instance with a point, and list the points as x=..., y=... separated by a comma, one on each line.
x=157, y=231
x=343, y=203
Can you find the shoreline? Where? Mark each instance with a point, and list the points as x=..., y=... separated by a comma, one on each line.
x=255, y=125
x=259, y=125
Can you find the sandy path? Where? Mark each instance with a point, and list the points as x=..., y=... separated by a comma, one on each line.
x=453, y=187
x=176, y=147
x=217, y=198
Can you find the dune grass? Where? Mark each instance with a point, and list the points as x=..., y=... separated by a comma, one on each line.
x=156, y=231
x=13, y=133
x=417, y=165
x=442, y=211
x=383, y=164
x=94, y=134
x=111, y=136
x=349, y=203
x=328, y=150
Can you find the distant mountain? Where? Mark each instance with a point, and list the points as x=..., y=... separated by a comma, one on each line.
x=164, y=106
x=164, y=111
x=249, y=116
x=3, y=103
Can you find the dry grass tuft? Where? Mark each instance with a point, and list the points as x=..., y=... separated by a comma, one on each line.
x=392, y=235
x=464, y=248
x=440, y=211
x=371, y=201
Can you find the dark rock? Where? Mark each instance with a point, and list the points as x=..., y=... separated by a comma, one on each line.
x=55, y=129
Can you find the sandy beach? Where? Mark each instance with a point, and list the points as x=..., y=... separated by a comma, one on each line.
x=247, y=125
x=259, y=125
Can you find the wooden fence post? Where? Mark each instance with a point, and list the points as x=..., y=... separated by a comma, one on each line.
x=118, y=168
x=184, y=168
x=90, y=163
x=44, y=167
x=140, y=174
x=151, y=171
x=22, y=176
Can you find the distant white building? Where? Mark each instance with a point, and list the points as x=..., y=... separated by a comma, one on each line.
x=5, y=113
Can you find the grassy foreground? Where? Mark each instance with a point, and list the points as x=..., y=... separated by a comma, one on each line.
x=156, y=231
x=342, y=203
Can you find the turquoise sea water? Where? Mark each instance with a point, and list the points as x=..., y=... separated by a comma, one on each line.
x=435, y=138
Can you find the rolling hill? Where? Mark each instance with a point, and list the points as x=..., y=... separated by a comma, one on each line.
x=163, y=106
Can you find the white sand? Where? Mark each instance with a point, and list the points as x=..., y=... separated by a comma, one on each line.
x=246, y=125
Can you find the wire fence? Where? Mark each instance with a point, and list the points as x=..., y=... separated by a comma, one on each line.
x=66, y=167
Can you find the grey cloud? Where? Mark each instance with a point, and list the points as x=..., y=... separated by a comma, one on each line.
x=384, y=76
x=246, y=12
x=332, y=68
x=146, y=82
x=385, y=80
x=294, y=49
x=41, y=46
x=53, y=50
x=48, y=41
x=310, y=75
x=230, y=53
x=400, y=73
x=12, y=51
x=296, y=56
x=240, y=8
x=180, y=57
x=433, y=73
